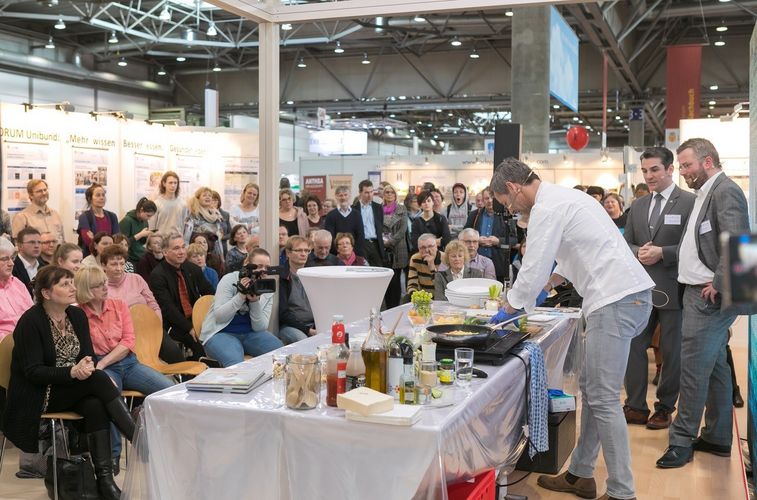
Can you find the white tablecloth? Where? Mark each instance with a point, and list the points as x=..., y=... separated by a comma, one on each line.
x=220, y=446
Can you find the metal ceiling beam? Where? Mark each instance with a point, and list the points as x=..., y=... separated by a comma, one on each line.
x=431, y=84
x=332, y=75
x=634, y=23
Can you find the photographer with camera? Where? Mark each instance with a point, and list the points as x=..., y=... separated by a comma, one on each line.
x=236, y=322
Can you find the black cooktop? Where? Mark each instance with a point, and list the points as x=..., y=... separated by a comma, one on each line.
x=495, y=352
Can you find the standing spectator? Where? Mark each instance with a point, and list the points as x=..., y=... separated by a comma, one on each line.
x=313, y=212
x=438, y=201
x=496, y=235
x=283, y=238
x=458, y=209
x=327, y=206
x=345, y=251
x=197, y=255
x=68, y=256
x=171, y=212
x=205, y=218
x=5, y=225
x=48, y=243
x=291, y=217
x=455, y=264
x=429, y=222
x=99, y=243
x=345, y=219
x=38, y=215
x=134, y=227
x=27, y=262
x=95, y=219
x=470, y=237
x=246, y=212
x=237, y=322
x=152, y=256
x=226, y=219
x=321, y=254
x=596, y=192
x=641, y=191
x=424, y=264
x=614, y=208
x=480, y=200
x=177, y=284
x=14, y=299
x=296, y=321
x=372, y=215
x=394, y=236
x=238, y=250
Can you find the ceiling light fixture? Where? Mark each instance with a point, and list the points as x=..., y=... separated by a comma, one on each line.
x=216, y=68
x=556, y=106
x=575, y=118
x=455, y=42
x=122, y=62
x=301, y=63
x=113, y=38
x=286, y=27
x=338, y=49
x=162, y=71
x=719, y=42
x=474, y=54
x=402, y=97
x=189, y=35
x=711, y=103
x=509, y=13
x=50, y=44
x=365, y=59
x=290, y=102
x=722, y=28
x=379, y=24
x=212, y=31
x=180, y=58
x=714, y=87
x=60, y=25
x=165, y=14
x=419, y=18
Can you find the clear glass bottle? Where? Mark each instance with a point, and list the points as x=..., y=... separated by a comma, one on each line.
x=355, y=366
x=407, y=382
x=336, y=363
x=394, y=370
x=374, y=353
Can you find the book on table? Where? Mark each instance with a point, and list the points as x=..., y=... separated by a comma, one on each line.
x=228, y=380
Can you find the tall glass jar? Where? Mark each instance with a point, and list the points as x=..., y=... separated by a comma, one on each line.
x=303, y=378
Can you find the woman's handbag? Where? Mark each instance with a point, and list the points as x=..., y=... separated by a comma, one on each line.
x=76, y=478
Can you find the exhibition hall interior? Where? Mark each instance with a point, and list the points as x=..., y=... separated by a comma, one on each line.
x=378, y=249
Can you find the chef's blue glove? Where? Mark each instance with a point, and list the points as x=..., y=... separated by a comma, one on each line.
x=541, y=298
x=503, y=315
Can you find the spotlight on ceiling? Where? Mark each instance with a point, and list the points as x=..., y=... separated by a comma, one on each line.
x=455, y=42
x=122, y=62
x=212, y=30
x=474, y=54
x=165, y=14
x=301, y=63
x=216, y=68
x=365, y=59
x=180, y=58
x=509, y=13
x=60, y=25
x=286, y=27
x=162, y=71
x=113, y=38
x=338, y=49
x=419, y=18
x=50, y=44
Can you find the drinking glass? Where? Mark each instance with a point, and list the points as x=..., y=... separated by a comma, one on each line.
x=323, y=356
x=463, y=366
x=279, y=378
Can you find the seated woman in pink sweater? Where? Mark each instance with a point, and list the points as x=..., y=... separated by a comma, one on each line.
x=132, y=289
x=14, y=297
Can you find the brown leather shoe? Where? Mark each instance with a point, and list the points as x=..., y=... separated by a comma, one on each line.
x=633, y=416
x=583, y=487
x=607, y=497
x=661, y=419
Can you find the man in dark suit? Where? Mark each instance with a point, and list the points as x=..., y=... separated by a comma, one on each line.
x=372, y=214
x=177, y=284
x=346, y=219
x=653, y=230
x=720, y=206
x=497, y=235
x=27, y=261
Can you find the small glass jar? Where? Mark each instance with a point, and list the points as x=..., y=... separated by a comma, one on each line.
x=446, y=371
x=303, y=379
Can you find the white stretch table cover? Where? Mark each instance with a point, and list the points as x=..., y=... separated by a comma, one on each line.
x=223, y=446
x=347, y=290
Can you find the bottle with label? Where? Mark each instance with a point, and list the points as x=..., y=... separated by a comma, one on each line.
x=374, y=352
x=336, y=362
x=407, y=382
x=355, y=366
x=394, y=370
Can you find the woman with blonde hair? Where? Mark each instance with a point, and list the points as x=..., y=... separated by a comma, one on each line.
x=246, y=212
x=68, y=256
x=395, y=235
x=455, y=267
x=291, y=217
x=205, y=218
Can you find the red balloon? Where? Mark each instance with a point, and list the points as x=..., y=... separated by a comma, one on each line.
x=577, y=137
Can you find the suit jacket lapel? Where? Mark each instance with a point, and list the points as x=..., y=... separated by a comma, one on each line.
x=644, y=214
x=704, y=208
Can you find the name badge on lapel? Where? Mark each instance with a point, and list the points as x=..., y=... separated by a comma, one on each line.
x=673, y=219
x=705, y=227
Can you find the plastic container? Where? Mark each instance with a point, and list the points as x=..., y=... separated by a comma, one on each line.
x=483, y=487
x=447, y=315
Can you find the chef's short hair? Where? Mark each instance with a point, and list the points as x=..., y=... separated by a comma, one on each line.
x=511, y=170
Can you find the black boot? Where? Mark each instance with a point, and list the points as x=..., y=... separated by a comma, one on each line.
x=99, y=450
x=120, y=416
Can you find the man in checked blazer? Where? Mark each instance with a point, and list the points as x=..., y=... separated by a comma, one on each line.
x=720, y=206
x=653, y=230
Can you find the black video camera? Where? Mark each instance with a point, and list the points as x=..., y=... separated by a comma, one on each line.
x=258, y=285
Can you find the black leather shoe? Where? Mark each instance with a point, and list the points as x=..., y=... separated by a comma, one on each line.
x=720, y=450
x=675, y=456
x=738, y=401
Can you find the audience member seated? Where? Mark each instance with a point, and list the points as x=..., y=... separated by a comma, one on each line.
x=99, y=243
x=470, y=237
x=345, y=251
x=208, y=241
x=197, y=255
x=455, y=267
x=296, y=320
x=313, y=212
x=237, y=248
x=112, y=334
x=14, y=296
x=68, y=256
x=95, y=219
x=237, y=322
x=429, y=222
x=123, y=242
x=177, y=284
x=47, y=243
x=53, y=369
x=321, y=254
x=132, y=289
x=283, y=237
x=424, y=265
x=134, y=227
x=27, y=262
x=152, y=256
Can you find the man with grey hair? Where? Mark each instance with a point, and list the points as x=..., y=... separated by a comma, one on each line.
x=345, y=219
x=321, y=254
x=720, y=206
x=469, y=237
x=569, y=227
x=424, y=264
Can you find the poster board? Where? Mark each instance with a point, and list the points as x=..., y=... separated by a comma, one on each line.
x=315, y=185
x=339, y=180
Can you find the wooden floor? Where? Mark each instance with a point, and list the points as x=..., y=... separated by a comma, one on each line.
x=706, y=478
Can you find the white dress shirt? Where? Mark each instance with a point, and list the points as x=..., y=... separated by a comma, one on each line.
x=571, y=228
x=369, y=225
x=691, y=270
x=665, y=197
x=31, y=266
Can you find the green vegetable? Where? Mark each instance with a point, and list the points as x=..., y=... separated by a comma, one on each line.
x=436, y=393
x=494, y=291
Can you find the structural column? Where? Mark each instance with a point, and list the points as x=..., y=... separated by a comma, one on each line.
x=530, y=76
x=753, y=132
x=268, y=104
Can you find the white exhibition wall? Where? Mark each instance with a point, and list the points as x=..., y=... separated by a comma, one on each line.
x=72, y=150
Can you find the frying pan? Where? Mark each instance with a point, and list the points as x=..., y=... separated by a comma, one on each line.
x=479, y=334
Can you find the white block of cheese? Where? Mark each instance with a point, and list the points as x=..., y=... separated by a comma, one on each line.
x=365, y=401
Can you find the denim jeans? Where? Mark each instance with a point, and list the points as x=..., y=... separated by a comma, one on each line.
x=229, y=348
x=132, y=375
x=290, y=335
x=609, y=331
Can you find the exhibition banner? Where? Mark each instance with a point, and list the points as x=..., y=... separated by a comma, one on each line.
x=684, y=80
x=339, y=180
x=315, y=185
x=563, y=61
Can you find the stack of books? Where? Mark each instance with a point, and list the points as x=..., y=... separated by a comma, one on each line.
x=228, y=380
